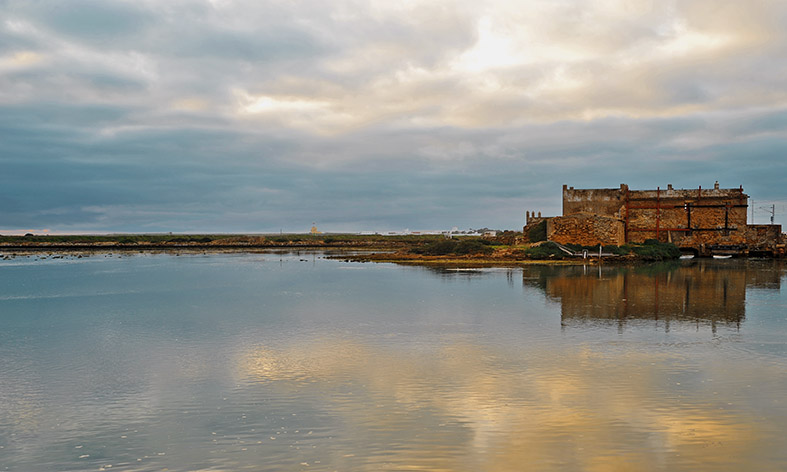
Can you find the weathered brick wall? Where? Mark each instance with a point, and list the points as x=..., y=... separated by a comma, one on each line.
x=711, y=210
x=717, y=217
x=707, y=222
x=586, y=229
x=764, y=237
x=600, y=201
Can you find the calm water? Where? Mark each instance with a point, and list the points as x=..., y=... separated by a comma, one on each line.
x=230, y=362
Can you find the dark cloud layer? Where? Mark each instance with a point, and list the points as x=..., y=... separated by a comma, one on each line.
x=364, y=115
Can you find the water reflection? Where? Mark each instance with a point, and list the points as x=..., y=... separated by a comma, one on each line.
x=462, y=407
x=699, y=292
x=230, y=362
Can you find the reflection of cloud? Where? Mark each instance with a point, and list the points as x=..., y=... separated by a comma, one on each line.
x=580, y=408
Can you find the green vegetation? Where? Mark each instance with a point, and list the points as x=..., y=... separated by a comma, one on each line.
x=611, y=249
x=339, y=238
x=109, y=238
x=617, y=250
x=538, y=232
x=548, y=250
x=452, y=246
x=652, y=250
x=219, y=239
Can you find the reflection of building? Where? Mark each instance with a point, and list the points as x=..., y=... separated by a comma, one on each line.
x=704, y=220
x=698, y=292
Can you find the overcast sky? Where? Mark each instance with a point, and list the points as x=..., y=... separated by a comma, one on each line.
x=260, y=116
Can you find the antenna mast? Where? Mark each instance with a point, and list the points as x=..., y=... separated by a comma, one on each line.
x=771, y=210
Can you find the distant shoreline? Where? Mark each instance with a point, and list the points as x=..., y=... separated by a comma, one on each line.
x=143, y=247
x=142, y=242
x=399, y=249
x=383, y=249
x=356, y=253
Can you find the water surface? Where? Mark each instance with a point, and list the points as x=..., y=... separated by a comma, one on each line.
x=239, y=361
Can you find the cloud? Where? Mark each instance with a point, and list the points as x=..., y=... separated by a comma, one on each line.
x=459, y=105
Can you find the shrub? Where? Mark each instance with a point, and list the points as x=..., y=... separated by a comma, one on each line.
x=611, y=249
x=438, y=248
x=619, y=250
x=538, y=232
x=473, y=246
x=548, y=250
x=450, y=246
x=652, y=250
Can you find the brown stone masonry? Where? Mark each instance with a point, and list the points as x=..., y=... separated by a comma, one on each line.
x=705, y=220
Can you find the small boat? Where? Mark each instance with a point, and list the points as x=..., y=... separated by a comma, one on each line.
x=687, y=256
x=718, y=256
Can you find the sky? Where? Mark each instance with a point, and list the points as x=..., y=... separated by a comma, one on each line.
x=378, y=115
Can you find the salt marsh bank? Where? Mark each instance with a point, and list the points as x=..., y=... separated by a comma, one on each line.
x=292, y=361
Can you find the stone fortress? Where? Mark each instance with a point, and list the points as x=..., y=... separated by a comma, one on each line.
x=702, y=221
